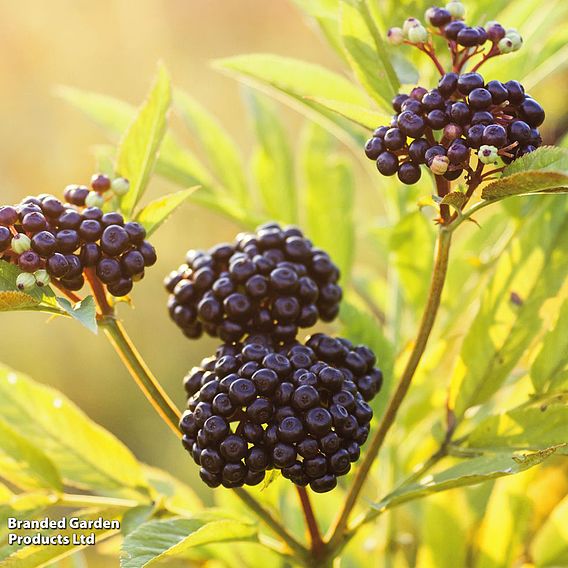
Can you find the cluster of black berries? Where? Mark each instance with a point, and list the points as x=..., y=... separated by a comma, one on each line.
x=265, y=401
x=298, y=408
x=272, y=282
x=48, y=239
x=494, y=120
x=448, y=23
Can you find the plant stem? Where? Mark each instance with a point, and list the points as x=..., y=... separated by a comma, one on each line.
x=273, y=523
x=140, y=372
x=170, y=414
x=443, y=187
x=428, y=318
x=311, y=522
x=70, y=500
x=73, y=297
x=98, y=292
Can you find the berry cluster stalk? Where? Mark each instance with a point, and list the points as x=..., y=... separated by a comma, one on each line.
x=428, y=318
x=165, y=407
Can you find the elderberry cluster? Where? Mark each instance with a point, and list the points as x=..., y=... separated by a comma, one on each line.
x=442, y=127
x=48, y=239
x=265, y=401
x=448, y=23
x=301, y=409
x=272, y=281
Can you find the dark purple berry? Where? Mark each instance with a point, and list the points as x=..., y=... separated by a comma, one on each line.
x=394, y=139
x=387, y=164
x=409, y=173
x=468, y=82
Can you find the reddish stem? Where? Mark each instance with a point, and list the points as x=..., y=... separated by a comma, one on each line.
x=317, y=545
x=98, y=292
x=493, y=52
x=443, y=187
x=429, y=50
x=73, y=297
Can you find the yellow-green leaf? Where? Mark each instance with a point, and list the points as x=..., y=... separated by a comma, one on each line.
x=156, y=541
x=86, y=455
x=159, y=210
x=542, y=171
x=531, y=428
x=24, y=465
x=367, y=53
x=221, y=151
x=548, y=370
x=273, y=163
x=549, y=548
x=138, y=150
x=468, y=472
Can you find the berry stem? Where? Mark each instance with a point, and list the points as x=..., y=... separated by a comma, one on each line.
x=99, y=292
x=443, y=187
x=426, y=325
x=170, y=414
x=429, y=50
x=140, y=372
x=73, y=297
x=494, y=51
x=273, y=523
x=311, y=522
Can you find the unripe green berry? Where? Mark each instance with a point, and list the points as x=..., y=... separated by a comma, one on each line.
x=395, y=36
x=505, y=45
x=410, y=23
x=418, y=34
x=456, y=9
x=488, y=154
x=94, y=199
x=428, y=14
x=439, y=165
x=21, y=243
x=42, y=278
x=25, y=281
x=516, y=39
x=120, y=186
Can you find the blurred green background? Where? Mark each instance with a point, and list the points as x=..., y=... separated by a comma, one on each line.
x=45, y=144
x=112, y=48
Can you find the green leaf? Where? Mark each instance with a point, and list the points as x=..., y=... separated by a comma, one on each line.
x=11, y=299
x=21, y=556
x=300, y=82
x=114, y=116
x=174, y=163
x=23, y=506
x=363, y=116
x=548, y=367
x=542, y=171
x=526, y=428
x=86, y=455
x=85, y=312
x=221, y=150
x=177, y=497
x=412, y=243
x=360, y=327
x=24, y=465
x=444, y=542
x=135, y=517
x=273, y=163
x=138, y=150
x=329, y=197
x=506, y=523
x=159, y=210
x=533, y=267
x=367, y=53
x=550, y=545
x=160, y=540
x=468, y=472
